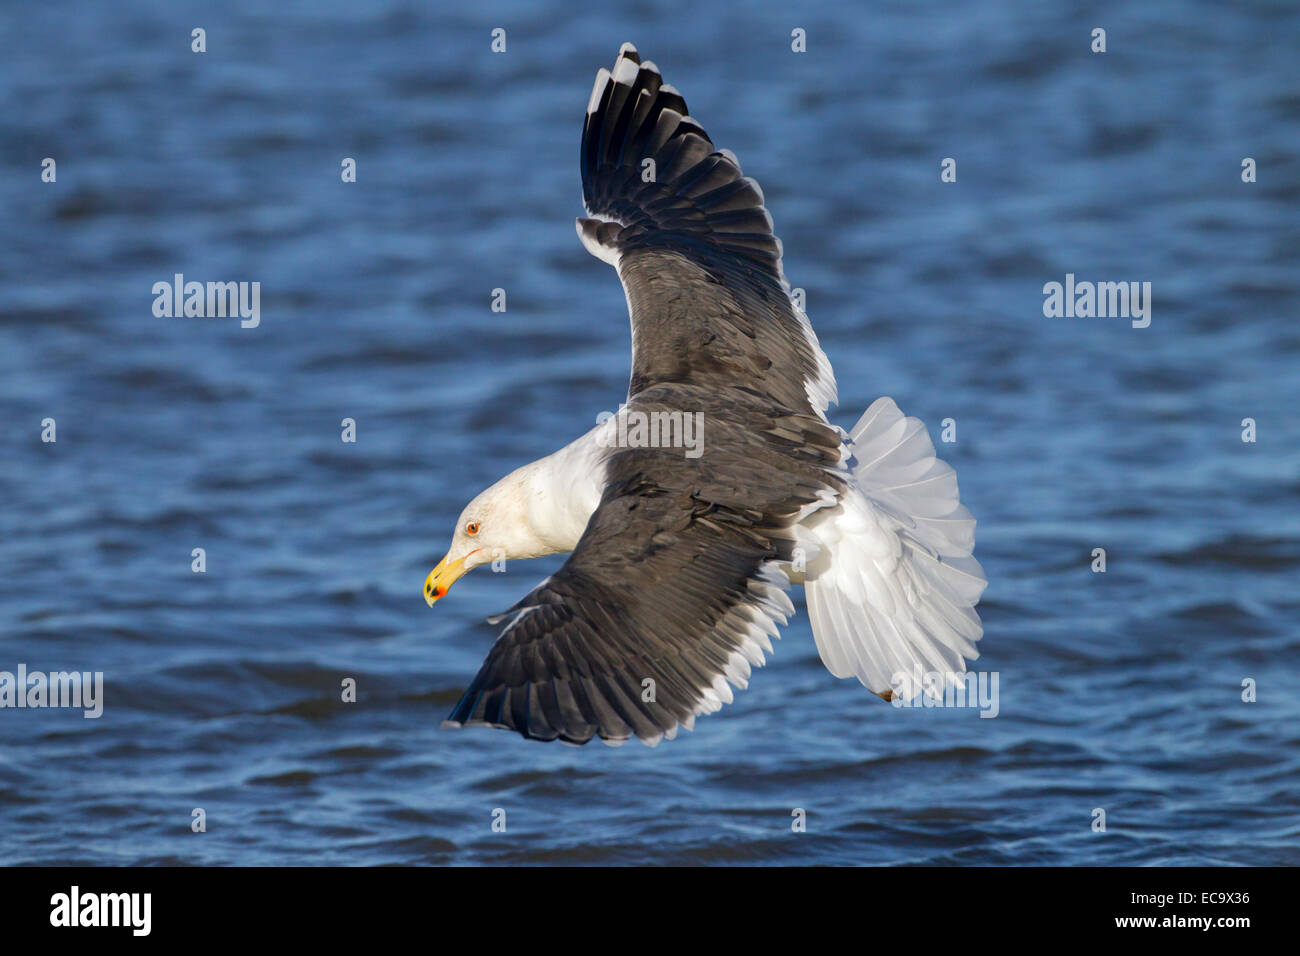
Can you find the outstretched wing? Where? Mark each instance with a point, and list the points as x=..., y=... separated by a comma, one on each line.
x=673, y=591
x=694, y=246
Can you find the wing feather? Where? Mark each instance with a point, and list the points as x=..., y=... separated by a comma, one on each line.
x=694, y=245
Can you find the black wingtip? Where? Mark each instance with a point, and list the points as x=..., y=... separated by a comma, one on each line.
x=649, y=167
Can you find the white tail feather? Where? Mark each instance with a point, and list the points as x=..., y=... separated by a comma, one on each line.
x=893, y=587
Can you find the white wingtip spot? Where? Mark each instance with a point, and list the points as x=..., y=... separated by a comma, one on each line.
x=593, y=245
x=625, y=71
x=602, y=78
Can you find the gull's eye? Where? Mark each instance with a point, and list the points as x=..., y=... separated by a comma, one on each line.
x=471, y=528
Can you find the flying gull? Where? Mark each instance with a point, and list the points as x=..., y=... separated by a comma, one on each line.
x=680, y=561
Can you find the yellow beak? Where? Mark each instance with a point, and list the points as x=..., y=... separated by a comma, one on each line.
x=442, y=577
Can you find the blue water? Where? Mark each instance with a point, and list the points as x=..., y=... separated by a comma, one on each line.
x=1119, y=690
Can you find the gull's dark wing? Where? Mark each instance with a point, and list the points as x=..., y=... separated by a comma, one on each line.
x=675, y=581
x=694, y=247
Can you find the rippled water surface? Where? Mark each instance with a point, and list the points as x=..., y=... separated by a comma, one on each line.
x=1119, y=691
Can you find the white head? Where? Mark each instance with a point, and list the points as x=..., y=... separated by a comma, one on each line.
x=495, y=526
x=541, y=508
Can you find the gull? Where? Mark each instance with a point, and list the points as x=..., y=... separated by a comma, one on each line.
x=680, y=561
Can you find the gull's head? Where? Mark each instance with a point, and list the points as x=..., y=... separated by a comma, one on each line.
x=472, y=544
x=492, y=527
